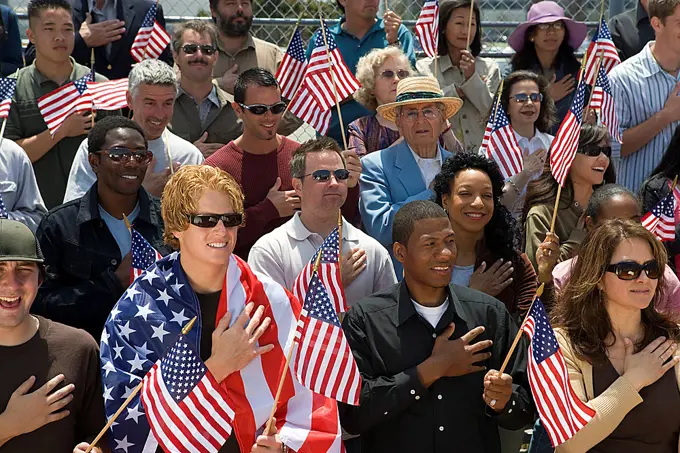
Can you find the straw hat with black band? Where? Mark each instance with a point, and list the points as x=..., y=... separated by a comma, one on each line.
x=420, y=90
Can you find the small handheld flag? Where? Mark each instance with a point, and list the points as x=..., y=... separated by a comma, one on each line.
x=143, y=255
x=151, y=38
x=7, y=87
x=661, y=220
x=73, y=97
x=500, y=144
x=427, y=27
x=565, y=144
x=292, y=68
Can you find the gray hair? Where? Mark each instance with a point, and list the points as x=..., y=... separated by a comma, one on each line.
x=151, y=72
x=367, y=72
x=201, y=27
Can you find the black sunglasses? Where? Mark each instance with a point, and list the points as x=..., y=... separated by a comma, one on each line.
x=595, y=150
x=630, y=270
x=211, y=220
x=325, y=175
x=120, y=155
x=522, y=98
x=206, y=49
x=261, y=109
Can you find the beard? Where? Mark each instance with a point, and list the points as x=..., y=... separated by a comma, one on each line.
x=229, y=27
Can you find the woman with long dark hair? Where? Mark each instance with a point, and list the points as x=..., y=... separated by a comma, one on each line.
x=589, y=170
x=469, y=187
x=621, y=353
x=545, y=44
x=462, y=72
x=658, y=186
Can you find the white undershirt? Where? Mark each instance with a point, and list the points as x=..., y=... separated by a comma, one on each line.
x=431, y=314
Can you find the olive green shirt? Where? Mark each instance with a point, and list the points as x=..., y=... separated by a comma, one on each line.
x=255, y=53
x=25, y=120
x=538, y=225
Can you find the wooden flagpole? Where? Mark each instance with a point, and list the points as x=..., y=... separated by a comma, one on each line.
x=335, y=86
x=113, y=418
x=270, y=423
x=340, y=240
x=539, y=291
x=92, y=77
x=167, y=153
x=297, y=24
x=469, y=31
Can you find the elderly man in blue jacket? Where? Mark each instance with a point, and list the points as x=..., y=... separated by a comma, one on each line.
x=404, y=172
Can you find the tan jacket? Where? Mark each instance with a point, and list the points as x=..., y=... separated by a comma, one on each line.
x=610, y=407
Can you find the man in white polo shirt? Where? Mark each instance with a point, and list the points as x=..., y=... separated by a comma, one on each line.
x=320, y=180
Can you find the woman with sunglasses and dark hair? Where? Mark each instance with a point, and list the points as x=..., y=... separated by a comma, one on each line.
x=621, y=353
x=531, y=111
x=462, y=72
x=545, y=44
x=658, y=186
x=469, y=187
x=589, y=170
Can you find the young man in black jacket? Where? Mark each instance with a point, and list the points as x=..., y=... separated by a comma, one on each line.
x=86, y=242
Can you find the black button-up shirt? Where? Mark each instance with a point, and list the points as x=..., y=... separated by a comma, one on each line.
x=631, y=31
x=82, y=255
x=390, y=339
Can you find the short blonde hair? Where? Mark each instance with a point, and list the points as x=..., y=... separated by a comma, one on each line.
x=185, y=188
x=367, y=71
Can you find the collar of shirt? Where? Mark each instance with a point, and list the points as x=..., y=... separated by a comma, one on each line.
x=445, y=64
x=93, y=4
x=250, y=43
x=406, y=310
x=538, y=141
x=338, y=30
x=40, y=78
x=89, y=207
x=299, y=232
x=212, y=96
x=649, y=66
x=419, y=160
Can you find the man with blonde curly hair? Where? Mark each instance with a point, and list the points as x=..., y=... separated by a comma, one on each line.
x=245, y=322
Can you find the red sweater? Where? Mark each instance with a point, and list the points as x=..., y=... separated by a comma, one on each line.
x=256, y=173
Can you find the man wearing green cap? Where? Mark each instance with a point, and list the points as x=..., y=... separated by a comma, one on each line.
x=50, y=395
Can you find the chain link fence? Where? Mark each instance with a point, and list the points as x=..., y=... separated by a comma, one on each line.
x=275, y=20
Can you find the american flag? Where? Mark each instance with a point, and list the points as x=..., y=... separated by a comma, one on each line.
x=601, y=44
x=148, y=318
x=73, y=97
x=500, y=144
x=143, y=255
x=563, y=414
x=292, y=68
x=305, y=107
x=7, y=87
x=565, y=144
x=109, y=95
x=661, y=220
x=324, y=362
x=329, y=272
x=427, y=27
x=323, y=79
x=603, y=100
x=3, y=209
x=185, y=406
x=151, y=38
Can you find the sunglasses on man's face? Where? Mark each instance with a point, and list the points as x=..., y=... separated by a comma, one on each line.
x=630, y=270
x=211, y=220
x=595, y=150
x=325, y=175
x=206, y=49
x=261, y=109
x=120, y=155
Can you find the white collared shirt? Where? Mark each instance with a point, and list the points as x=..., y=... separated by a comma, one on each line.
x=429, y=168
x=282, y=253
x=540, y=140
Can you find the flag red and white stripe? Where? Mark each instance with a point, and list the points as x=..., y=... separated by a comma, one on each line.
x=562, y=412
x=305, y=107
x=427, y=27
x=151, y=38
x=73, y=97
x=109, y=95
x=500, y=144
x=603, y=100
x=291, y=71
x=143, y=255
x=660, y=221
x=565, y=144
x=601, y=45
x=7, y=87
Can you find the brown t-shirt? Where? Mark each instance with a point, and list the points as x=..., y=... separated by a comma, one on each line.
x=56, y=349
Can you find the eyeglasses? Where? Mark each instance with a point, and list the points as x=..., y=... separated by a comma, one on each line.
x=411, y=116
x=340, y=174
x=206, y=49
x=261, y=109
x=210, y=220
x=389, y=74
x=630, y=270
x=595, y=150
x=559, y=25
x=120, y=155
x=523, y=98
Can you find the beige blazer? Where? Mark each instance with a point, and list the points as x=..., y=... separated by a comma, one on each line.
x=610, y=407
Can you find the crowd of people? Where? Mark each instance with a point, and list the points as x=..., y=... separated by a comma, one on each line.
x=441, y=256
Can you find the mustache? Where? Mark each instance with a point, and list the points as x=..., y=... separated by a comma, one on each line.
x=199, y=60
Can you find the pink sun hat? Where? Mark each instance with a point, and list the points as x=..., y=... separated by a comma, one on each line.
x=546, y=12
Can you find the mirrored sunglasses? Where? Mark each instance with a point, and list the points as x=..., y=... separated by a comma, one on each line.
x=261, y=109
x=119, y=155
x=630, y=270
x=230, y=220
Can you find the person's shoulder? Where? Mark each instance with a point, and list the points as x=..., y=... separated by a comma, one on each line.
x=476, y=298
x=262, y=45
x=289, y=145
x=486, y=64
x=273, y=240
x=183, y=145
x=631, y=68
x=653, y=183
x=13, y=153
x=386, y=299
x=58, y=334
x=369, y=243
x=541, y=209
x=63, y=212
x=424, y=65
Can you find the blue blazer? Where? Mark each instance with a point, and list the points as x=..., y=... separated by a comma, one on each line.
x=390, y=178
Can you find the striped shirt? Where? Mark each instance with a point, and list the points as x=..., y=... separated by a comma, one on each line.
x=640, y=88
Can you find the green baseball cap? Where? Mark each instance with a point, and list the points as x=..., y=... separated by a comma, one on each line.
x=18, y=243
